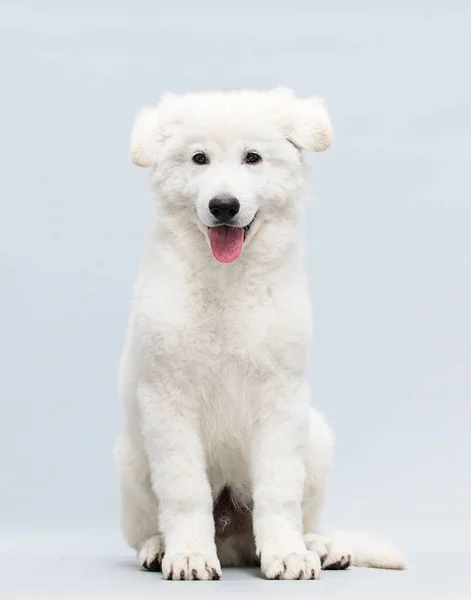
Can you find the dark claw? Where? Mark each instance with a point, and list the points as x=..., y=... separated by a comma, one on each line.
x=300, y=574
x=336, y=566
x=216, y=575
x=182, y=574
x=170, y=575
x=155, y=565
x=313, y=574
x=323, y=557
x=278, y=575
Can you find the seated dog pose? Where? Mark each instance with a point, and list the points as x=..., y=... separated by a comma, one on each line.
x=222, y=459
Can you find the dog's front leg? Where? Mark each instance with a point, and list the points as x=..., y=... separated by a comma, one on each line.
x=179, y=480
x=279, y=452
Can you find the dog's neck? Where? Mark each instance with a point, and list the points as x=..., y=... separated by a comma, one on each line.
x=273, y=248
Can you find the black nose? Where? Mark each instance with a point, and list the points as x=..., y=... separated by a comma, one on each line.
x=224, y=208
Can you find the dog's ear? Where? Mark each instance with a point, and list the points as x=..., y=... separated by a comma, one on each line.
x=311, y=128
x=145, y=137
x=152, y=126
x=306, y=122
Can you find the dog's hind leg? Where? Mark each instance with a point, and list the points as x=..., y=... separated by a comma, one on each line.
x=339, y=550
x=318, y=462
x=139, y=506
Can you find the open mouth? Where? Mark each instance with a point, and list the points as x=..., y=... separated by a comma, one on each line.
x=227, y=241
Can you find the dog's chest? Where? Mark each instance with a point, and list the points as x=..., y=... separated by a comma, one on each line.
x=236, y=331
x=227, y=337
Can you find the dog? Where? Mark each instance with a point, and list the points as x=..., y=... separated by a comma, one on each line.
x=222, y=459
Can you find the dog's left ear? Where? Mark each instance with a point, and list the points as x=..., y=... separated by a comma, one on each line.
x=306, y=122
x=311, y=128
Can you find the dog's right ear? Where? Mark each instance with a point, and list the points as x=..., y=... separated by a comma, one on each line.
x=152, y=126
x=145, y=137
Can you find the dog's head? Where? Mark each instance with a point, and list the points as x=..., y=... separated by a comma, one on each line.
x=229, y=162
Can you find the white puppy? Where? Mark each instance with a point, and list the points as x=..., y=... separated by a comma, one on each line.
x=222, y=458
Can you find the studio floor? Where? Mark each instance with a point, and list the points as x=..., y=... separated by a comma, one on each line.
x=66, y=567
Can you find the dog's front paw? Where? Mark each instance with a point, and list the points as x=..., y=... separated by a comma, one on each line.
x=191, y=567
x=332, y=555
x=151, y=554
x=296, y=565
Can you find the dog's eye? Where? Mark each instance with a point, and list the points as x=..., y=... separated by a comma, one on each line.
x=252, y=157
x=200, y=158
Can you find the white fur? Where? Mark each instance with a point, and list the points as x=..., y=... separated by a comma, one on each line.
x=213, y=372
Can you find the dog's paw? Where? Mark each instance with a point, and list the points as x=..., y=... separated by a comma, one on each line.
x=296, y=565
x=191, y=567
x=332, y=556
x=151, y=554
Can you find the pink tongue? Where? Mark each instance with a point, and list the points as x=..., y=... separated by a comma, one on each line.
x=226, y=242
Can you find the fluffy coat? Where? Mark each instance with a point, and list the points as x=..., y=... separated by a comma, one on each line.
x=213, y=374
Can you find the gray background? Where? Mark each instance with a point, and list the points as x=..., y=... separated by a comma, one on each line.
x=389, y=255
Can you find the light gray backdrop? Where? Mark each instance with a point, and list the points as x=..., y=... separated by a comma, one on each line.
x=388, y=243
